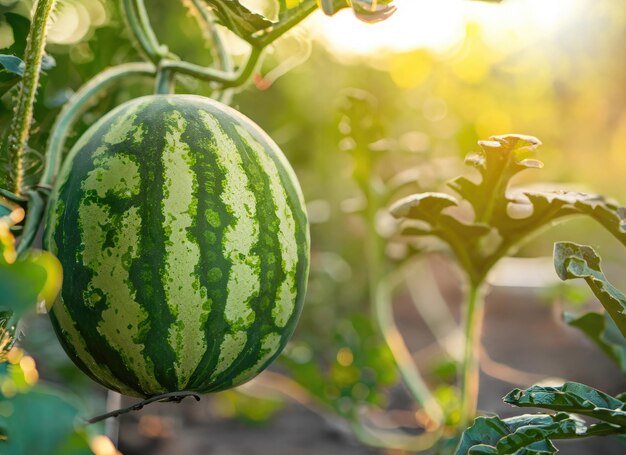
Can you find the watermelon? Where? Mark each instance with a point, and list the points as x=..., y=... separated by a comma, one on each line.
x=184, y=241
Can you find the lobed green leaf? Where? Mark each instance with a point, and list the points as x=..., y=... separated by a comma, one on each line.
x=521, y=435
x=602, y=331
x=580, y=261
x=572, y=397
x=502, y=217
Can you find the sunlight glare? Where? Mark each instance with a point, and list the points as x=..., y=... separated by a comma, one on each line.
x=440, y=25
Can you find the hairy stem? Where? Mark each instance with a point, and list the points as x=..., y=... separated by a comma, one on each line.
x=22, y=119
x=63, y=124
x=470, y=373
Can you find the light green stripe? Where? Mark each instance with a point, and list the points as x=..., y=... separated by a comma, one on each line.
x=242, y=234
x=116, y=174
x=270, y=344
x=100, y=370
x=110, y=264
x=286, y=293
x=230, y=349
x=123, y=127
x=184, y=294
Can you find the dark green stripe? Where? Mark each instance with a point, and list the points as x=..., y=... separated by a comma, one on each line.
x=76, y=275
x=146, y=271
x=208, y=229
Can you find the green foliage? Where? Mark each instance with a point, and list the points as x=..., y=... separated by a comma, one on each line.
x=365, y=10
x=250, y=25
x=570, y=399
x=502, y=217
x=27, y=280
x=10, y=72
x=239, y=19
x=579, y=261
x=574, y=398
x=601, y=329
x=525, y=434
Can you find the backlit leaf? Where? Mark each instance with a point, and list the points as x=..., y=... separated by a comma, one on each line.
x=237, y=18
x=502, y=217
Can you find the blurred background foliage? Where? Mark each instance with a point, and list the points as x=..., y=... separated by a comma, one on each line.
x=445, y=73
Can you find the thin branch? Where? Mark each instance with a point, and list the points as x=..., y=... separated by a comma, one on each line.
x=164, y=398
x=224, y=78
x=283, y=27
x=433, y=308
x=137, y=21
x=207, y=22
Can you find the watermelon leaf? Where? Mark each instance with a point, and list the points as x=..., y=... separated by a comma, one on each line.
x=495, y=436
x=238, y=19
x=365, y=10
x=572, y=397
x=602, y=331
x=527, y=434
x=502, y=217
x=579, y=261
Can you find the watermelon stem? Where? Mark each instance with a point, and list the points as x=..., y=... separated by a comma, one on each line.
x=19, y=131
x=176, y=397
x=139, y=24
x=206, y=20
x=37, y=196
x=225, y=78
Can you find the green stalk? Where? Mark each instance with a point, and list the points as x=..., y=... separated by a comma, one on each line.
x=134, y=12
x=164, y=82
x=380, y=296
x=219, y=49
x=225, y=78
x=470, y=373
x=19, y=132
x=77, y=105
x=229, y=79
x=208, y=23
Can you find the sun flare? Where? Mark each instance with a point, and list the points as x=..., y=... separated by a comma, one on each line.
x=440, y=25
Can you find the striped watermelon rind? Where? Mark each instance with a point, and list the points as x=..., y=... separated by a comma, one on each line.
x=184, y=241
